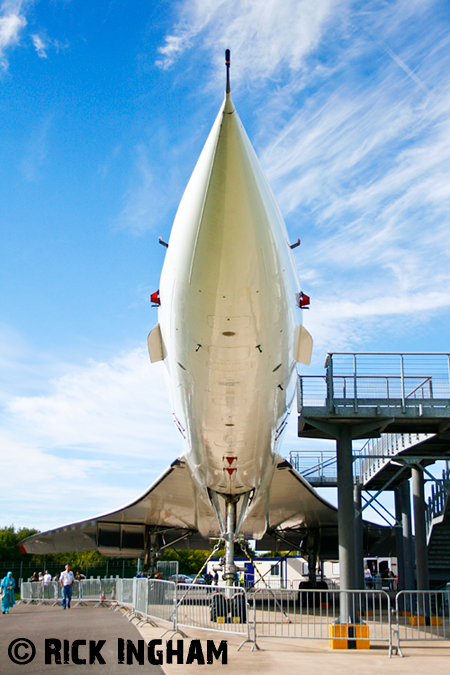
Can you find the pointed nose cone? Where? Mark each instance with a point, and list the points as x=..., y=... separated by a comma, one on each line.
x=228, y=224
x=228, y=107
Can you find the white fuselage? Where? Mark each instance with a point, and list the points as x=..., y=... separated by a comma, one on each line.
x=227, y=317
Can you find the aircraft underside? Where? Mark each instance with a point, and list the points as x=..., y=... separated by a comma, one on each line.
x=229, y=332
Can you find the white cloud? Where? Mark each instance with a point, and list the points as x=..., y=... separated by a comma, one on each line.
x=262, y=38
x=12, y=21
x=40, y=46
x=362, y=167
x=99, y=404
x=92, y=440
x=138, y=213
x=150, y=190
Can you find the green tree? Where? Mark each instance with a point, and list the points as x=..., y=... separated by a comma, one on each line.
x=9, y=543
x=190, y=562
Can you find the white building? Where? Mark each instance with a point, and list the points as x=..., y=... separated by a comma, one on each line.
x=292, y=570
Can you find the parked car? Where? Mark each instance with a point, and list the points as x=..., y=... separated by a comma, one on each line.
x=181, y=578
x=201, y=580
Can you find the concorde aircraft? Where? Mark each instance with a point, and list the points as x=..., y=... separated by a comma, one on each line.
x=230, y=334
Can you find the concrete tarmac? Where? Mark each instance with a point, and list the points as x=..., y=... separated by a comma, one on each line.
x=305, y=657
x=41, y=623
x=280, y=656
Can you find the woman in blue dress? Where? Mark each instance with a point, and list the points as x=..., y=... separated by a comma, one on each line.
x=8, y=599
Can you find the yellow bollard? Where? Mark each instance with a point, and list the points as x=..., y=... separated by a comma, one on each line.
x=345, y=636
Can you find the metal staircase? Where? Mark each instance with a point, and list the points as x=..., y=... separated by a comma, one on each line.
x=438, y=528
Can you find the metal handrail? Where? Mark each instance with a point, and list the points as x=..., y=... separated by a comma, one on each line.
x=437, y=502
x=366, y=367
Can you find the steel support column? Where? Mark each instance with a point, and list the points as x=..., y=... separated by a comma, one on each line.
x=420, y=533
x=346, y=521
x=408, y=549
x=399, y=539
x=359, y=546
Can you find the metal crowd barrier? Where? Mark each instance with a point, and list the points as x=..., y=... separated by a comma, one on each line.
x=87, y=590
x=51, y=592
x=360, y=616
x=108, y=589
x=422, y=616
x=127, y=591
x=31, y=593
x=39, y=593
x=213, y=608
x=124, y=592
x=323, y=614
x=161, y=599
x=140, y=596
x=191, y=605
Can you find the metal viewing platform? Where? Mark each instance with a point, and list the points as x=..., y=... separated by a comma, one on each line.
x=377, y=391
x=404, y=398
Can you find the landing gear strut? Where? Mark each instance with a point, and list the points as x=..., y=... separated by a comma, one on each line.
x=229, y=574
x=152, y=554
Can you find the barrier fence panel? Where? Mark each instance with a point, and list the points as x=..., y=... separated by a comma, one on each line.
x=168, y=569
x=89, y=590
x=76, y=590
x=213, y=608
x=141, y=596
x=51, y=592
x=162, y=598
x=360, y=617
x=316, y=614
x=108, y=591
x=422, y=615
x=31, y=592
x=119, y=591
x=127, y=591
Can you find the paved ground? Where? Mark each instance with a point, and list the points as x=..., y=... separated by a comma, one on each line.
x=81, y=623
x=309, y=657
x=277, y=656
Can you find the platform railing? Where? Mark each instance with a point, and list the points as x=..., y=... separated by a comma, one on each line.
x=375, y=453
x=318, y=468
x=378, y=379
x=438, y=500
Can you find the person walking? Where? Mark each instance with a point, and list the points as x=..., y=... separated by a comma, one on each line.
x=368, y=577
x=8, y=599
x=66, y=581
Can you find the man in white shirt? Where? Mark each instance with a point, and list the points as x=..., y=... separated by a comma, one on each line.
x=46, y=578
x=66, y=581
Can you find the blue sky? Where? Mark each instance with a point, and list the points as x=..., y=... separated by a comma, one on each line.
x=104, y=109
